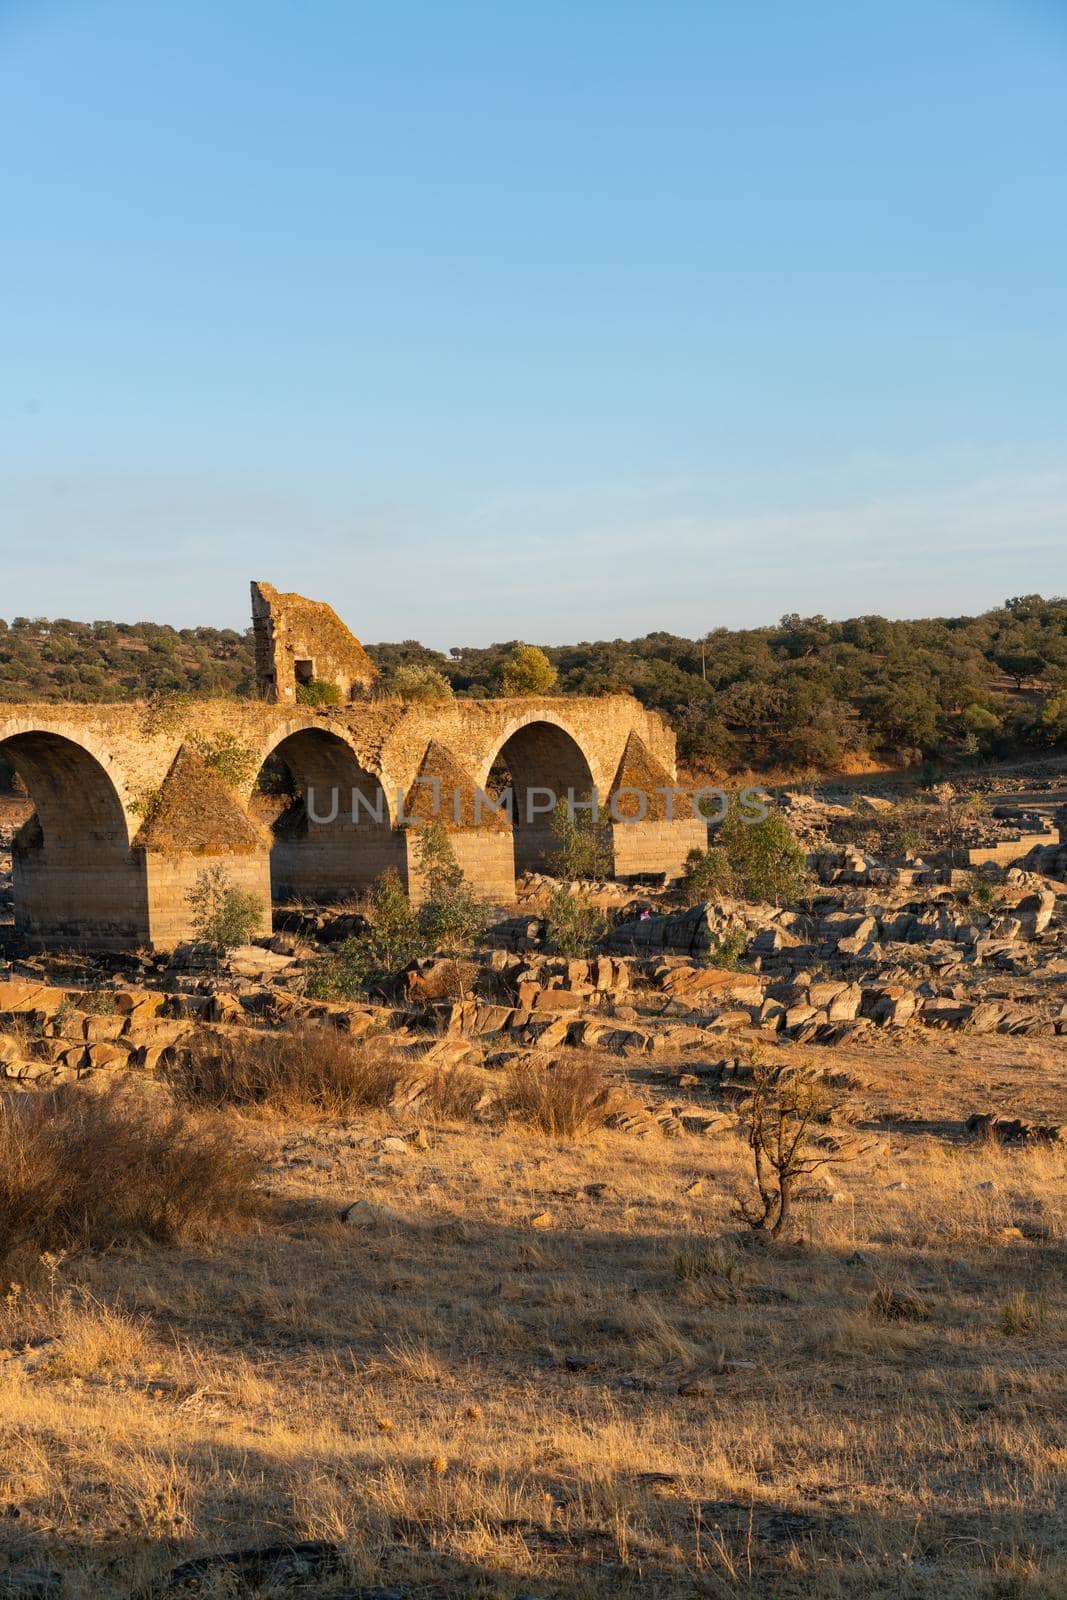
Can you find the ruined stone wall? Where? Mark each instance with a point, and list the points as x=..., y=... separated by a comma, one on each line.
x=657, y=846
x=297, y=641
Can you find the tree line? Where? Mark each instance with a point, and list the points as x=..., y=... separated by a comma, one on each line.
x=804, y=693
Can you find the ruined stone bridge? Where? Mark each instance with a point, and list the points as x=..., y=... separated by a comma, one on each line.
x=133, y=801
x=129, y=811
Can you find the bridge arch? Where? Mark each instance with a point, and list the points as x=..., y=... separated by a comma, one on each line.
x=331, y=817
x=538, y=758
x=75, y=878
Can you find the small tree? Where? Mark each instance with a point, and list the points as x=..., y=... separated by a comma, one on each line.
x=451, y=917
x=526, y=670
x=574, y=927
x=421, y=684
x=1053, y=719
x=583, y=843
x=223, y=916
x=393, y=938
x=707, y=875
x=766, y=861
x=1021, y=665
x=779, y=1116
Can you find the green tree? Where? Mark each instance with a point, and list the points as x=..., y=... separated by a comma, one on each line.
x=451, y=917
x=393, y=938
x=766, y=861
x=1021, y=665
x=707, y=875
x=1053, y=719
x=583, y=843
x=574, y=927
x=527, y=670
x=421, y=684
x=223, y=916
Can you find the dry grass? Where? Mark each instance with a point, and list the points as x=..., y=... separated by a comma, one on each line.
x=566, y=1101
x=304, y=1072
x=314, y=1074
x=639, y=1398
x=82, y=1169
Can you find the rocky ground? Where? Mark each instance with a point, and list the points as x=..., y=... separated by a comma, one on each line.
x=462, y=1358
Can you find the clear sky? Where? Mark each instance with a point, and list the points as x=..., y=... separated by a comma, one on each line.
x=562, y=320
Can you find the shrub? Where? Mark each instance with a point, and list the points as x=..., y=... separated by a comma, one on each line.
x=99, y=1002
x=341, y=975
x=779, y=1116
x=573, y=927
x=765, y=860
x=568, y=1101
x=312, y=1073
x=452, y=917
x=83, y=1169
x=707, y=876
x=727, y=951
x=393, y=939
x=318, y=692
x=223, y=915
x=421, y=684
x=1052, y=723
x=583, y=843
x=227, y=757
x=301, y=1072
x=980, y=892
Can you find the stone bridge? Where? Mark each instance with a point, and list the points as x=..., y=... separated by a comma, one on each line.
x=133, y=801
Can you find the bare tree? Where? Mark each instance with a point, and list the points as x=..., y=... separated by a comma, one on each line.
x=784, y=1104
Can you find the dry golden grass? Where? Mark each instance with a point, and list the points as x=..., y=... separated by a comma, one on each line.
x=636, y=1398
x=565, y=1101
x=85, y=1169
x=297, y=1072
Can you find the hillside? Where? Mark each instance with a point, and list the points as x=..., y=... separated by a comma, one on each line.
x=806, y=692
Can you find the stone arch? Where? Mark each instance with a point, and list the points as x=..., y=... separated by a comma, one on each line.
x=332, y=826
x=75, y=878
x=537, y=758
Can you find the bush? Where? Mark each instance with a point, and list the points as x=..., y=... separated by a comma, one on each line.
x=573, y=928
x=223, y=915
x=318, y=692
x=583, y=844
x=82, y=1169
x=314, y=1072
x=303, y=1072
x=765, y=860
x=727, y=951
x=980, y=892
x=421, y=684
x=452, y=917
x=707, y=876
x=227, y=757
x=568, y=1101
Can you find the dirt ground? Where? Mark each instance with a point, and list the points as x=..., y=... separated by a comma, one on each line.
x=545, y=1369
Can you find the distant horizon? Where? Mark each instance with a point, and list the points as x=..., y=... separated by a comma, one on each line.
x=551, y=644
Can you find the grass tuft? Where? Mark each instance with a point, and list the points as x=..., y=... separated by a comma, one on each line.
x=80, y=1169
x=567, y=1101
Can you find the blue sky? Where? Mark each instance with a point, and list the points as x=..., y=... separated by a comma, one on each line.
x=550, y=321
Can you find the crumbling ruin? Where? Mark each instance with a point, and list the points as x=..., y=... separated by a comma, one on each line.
x=129, y=810
x=303, y=643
